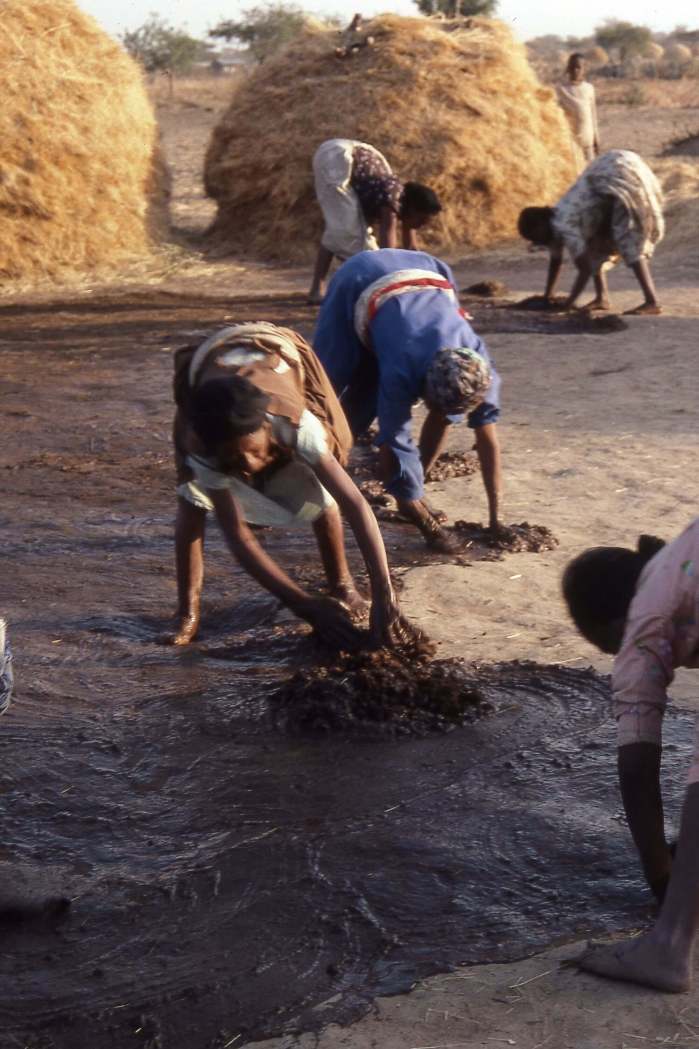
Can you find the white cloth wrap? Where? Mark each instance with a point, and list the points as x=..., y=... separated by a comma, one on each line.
x=397, y=283
x=291, y=497
x=346, y=232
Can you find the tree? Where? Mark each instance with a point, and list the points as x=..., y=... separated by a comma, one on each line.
x=631, y=41
x=159, y=46
x=264, y=29
x=457, y=8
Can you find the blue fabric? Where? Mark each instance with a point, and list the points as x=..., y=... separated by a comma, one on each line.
x=406, y=334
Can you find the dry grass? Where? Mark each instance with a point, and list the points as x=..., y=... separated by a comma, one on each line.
x=453, y=104
x=82, y=185
x=659, y=94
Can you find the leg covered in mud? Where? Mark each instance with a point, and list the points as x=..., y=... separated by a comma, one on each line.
x=190, y=529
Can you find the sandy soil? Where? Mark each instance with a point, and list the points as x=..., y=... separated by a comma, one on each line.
x=599, y=440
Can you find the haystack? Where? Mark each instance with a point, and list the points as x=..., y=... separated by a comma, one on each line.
x=81, y=182
x=453, y=104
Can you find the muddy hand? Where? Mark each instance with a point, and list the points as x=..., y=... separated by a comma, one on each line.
x=389, y=628
x=331, y=621
x=498, y=530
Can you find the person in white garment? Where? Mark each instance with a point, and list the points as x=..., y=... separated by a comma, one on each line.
x=576, y=96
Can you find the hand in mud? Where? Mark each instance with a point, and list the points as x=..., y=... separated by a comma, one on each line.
x=331, y=622
x=389, y=628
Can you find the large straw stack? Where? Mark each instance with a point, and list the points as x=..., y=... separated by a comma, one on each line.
x=453, y=104
x=81, y=183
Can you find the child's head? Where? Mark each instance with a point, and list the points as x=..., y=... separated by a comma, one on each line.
x=536, y=225
x=228, y=417
x=576, y=67
x=419, y=205
x=599, y=585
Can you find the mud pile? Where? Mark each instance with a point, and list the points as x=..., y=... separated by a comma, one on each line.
x=379, y=695
x=514, y=539
x=453, y=464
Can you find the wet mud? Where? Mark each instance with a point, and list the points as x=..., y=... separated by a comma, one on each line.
x=229, y=880
x=491, y=316
x=487, y=289
x=379, y=695
x=514, y=539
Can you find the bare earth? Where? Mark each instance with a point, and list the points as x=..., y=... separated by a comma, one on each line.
x=599, y=442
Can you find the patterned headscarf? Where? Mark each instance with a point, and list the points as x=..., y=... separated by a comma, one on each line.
x=456, y=380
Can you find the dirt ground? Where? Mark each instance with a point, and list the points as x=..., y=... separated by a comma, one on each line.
x=117, y=746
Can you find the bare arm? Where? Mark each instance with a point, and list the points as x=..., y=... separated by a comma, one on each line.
x=488, y=451
x=409, y=237
x=432, y=435
x=388, y=228
x=554, y=272
x=385, y=613
x=583, y=275
x=639, y=779
x=326, y=615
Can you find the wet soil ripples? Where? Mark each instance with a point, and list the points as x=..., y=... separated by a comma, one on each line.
x=229, y=880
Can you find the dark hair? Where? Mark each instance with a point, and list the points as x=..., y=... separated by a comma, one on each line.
x=576, y=54
x=422, y=199
x=222, y=409
x=531, y=222
x=599, y=584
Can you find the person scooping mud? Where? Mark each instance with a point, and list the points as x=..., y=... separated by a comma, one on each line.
x=389, y=333
x=614, y=209
x=260, y=438
x=643, y=605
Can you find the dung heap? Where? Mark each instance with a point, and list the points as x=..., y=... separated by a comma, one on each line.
x=453, y=104
x=81, y=182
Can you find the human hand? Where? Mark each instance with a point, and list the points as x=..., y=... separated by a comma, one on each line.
x=331, y=621
x=388, y=627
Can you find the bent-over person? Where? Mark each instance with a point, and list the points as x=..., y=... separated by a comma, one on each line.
x=363, y=205
x=614, y=209
x=390, y=333
x=643, y=605
x=260, y=439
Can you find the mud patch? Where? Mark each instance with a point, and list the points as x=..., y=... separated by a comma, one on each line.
x=379, y=695
x=487, y=289
x=228, y=881
x=453, y=464
x=514, y=539
x=532, y=315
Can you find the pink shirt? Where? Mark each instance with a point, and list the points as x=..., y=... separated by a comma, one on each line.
x=662, y=633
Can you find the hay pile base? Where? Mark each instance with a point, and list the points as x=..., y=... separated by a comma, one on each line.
x=454, y=104
x=82, y=184
x=379, y=695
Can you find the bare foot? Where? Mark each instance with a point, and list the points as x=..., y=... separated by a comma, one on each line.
x=646, y=309
x=641, y=960
x=186, y=628
x=441, y=542
x=350, y=597
x=596, y=306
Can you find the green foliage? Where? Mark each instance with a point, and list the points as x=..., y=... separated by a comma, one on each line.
x=158, y=46
x=629, y=40
x=454, y=8
x=263, y=29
